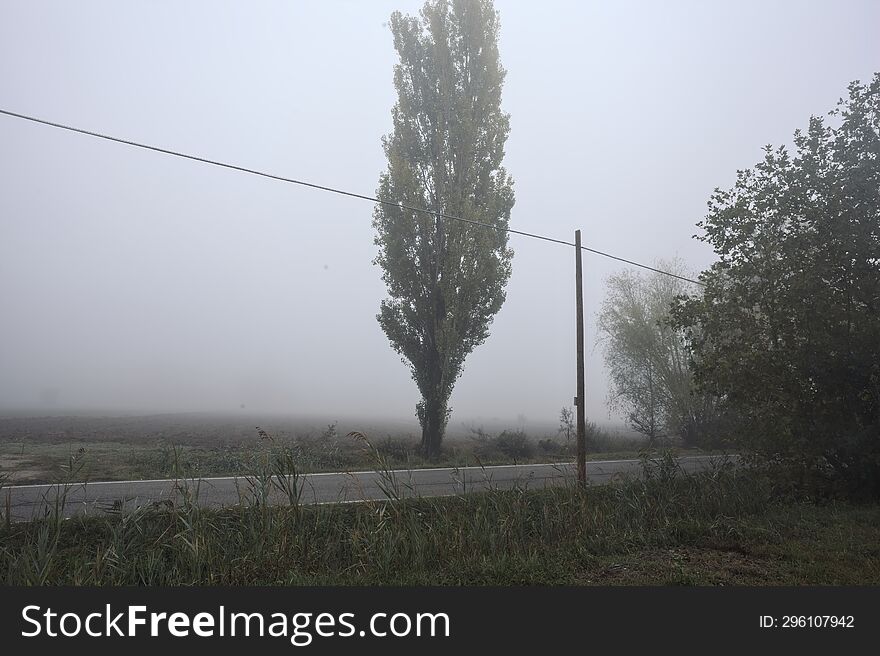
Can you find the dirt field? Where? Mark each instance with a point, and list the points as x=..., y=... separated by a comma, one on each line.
x=184, y=429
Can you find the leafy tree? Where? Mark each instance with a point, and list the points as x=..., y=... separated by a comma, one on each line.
x=648, y=359
x=787, y=331
x=445, y=278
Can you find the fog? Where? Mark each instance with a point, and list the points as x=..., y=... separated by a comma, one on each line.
x=132, y=281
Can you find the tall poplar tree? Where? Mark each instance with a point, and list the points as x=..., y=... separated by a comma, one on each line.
x=445, y=278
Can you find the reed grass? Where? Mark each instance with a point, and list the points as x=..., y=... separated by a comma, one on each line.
x=719, y=526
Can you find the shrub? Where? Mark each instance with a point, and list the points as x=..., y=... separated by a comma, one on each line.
x=515, y=444
x=550, y=446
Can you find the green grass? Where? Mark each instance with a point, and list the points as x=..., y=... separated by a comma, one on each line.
x=718, y=527
x=43, y=461
x=36, y=449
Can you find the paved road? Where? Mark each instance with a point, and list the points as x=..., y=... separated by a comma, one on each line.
x=28, y=501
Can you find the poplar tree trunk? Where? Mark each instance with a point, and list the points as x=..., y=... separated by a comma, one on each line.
x=432, y=427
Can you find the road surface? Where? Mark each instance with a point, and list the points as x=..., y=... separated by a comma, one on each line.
x=25, y=502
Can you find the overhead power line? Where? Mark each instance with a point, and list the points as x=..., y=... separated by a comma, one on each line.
x=334, y=190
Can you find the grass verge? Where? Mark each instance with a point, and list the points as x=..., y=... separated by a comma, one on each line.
x=717, y=527
x=33, y=461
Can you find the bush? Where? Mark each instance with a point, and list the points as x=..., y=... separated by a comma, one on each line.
x=550, y=446
x=509, y=444
x=515, y=444
x=785, y=332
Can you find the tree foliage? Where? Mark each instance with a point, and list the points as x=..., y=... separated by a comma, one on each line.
x=445, y=278
x=648, y=359
x=787, y=332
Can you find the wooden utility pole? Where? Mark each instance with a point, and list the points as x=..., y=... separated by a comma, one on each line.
x=581, y=392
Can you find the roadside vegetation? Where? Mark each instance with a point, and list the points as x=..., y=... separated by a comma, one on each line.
x=206, y=450
x=725, y=526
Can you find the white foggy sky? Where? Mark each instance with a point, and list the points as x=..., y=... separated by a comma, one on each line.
x=136, y=281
